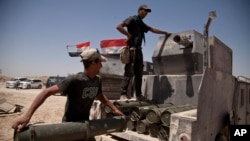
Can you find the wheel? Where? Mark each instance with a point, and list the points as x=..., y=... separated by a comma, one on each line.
x=39, y=87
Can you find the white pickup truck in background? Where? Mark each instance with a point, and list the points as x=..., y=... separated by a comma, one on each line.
x=12, y=83
x=31, y=83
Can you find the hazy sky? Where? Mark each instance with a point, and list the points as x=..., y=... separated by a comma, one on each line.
x=34, y=33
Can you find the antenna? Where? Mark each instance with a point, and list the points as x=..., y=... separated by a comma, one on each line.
x=206, y=58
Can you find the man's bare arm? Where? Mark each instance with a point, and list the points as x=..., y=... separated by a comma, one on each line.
x=40, y=98
x=157, y=31
x=121, y=28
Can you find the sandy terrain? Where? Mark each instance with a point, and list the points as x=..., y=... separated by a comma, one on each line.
x=50, y=112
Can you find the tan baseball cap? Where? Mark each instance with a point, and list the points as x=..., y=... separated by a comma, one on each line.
x=92, y=54
x=145, y=7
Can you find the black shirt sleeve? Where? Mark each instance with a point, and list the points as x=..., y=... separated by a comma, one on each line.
x=65, y=85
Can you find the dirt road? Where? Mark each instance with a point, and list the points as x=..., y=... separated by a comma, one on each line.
x=50, y=112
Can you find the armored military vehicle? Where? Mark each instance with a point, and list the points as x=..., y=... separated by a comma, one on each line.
x=181, y=78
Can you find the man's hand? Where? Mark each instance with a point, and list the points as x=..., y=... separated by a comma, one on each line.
x=128, y=36
x=168, y=34
x=20, y=123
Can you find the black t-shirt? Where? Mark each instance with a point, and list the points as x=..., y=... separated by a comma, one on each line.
x=81, y=91
x=136, y=27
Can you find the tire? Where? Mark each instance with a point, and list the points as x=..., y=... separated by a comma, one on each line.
x=39, y=87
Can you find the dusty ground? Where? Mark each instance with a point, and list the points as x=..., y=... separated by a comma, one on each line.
x=50, y=112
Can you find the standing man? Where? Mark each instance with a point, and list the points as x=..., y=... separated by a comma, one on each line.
x=135, y=35
x=81, y=90
x=17, y=84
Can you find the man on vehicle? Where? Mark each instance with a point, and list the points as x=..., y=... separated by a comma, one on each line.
x=135, y=35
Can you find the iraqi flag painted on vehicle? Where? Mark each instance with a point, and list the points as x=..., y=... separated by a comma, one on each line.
x=112, y=46
x=75, y=50
x=81, y=46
